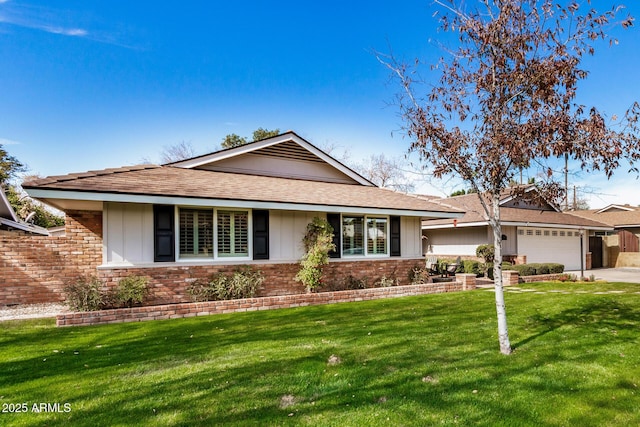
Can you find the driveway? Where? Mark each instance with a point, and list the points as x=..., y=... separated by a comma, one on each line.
x=629, y=275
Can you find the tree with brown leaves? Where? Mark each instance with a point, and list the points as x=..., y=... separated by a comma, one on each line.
x=506, y=100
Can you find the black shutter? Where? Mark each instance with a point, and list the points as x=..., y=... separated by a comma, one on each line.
x=395, y=235
x=163, y=233
x=260, y=234
x=334, y=221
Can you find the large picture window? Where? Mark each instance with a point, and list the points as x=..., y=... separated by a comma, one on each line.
x=365, y=236
x=233, y=233
x=196, y=233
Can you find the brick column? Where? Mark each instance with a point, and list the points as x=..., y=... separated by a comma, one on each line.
x=468, y=281
x=510, y=278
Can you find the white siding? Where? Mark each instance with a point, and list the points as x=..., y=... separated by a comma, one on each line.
x=461, y=241
x=286, y=229
x=410, y=237
x=128, y=233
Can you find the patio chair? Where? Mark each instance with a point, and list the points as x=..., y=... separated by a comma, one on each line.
x=451, y=268
x=432, y=265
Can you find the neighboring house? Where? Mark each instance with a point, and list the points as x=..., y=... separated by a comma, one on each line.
x=184, y=221
x=532, y=232
x=9, y=221
x=607, y=246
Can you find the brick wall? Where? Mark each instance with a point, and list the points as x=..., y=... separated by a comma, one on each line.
x=33, y=269
x=169, y=284
x=174, y=311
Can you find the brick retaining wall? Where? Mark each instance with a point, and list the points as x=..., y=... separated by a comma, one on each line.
x=175, y=311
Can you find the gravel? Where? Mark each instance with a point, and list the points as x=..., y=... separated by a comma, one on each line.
x=31, y=311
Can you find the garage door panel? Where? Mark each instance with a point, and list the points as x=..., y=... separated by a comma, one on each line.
x=559, y=246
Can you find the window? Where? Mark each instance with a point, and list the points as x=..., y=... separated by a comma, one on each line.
x=520, y=232
x=358, y=230
x=546, y=232
x=529, y=232
x=376, y=236
x=554, y=233
x=352, y=235
x=538, y=232
x=570, y=233
x=233, y=233
x=561, y=233
x=196, y=232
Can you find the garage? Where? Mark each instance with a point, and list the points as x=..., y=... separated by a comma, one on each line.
x=550, y=245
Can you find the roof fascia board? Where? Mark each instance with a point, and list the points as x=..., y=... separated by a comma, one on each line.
x=518, y=224
x=24, y=227
x=254, y=146
x=9, y=208
x=624, y=208
x=232, y=203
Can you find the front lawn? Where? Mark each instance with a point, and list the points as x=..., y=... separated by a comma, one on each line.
x=427, y=360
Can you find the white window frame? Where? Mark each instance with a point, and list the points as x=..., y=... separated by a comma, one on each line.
x=215, y=256
x=365, y=219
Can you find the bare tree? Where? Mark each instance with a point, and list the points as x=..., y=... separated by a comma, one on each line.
x=385, y=172
x=177, y=152
x=505, y=100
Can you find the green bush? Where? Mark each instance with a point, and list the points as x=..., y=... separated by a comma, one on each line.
x=318, y=242
x=84, y=294
x=242, y=283
x=472, y=267
x=131, y=290
x=555, y=268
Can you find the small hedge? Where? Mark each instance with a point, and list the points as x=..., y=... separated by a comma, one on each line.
x=536, y=269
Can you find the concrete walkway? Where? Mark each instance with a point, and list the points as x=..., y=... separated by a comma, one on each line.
x=628, y=275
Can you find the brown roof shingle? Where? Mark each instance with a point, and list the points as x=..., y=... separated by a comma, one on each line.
x=192, y=183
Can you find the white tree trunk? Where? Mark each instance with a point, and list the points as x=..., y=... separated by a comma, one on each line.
x=503, y=332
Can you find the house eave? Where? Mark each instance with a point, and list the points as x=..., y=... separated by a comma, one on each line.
x=50, y=196
x=518, y=224
x=24, y=227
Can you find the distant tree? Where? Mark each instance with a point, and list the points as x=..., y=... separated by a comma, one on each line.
x=174, y=153
x=505, y=100
x=10, y=167
x=386, y=173
x=260, y=134
x=233, y=140
x=458, y=193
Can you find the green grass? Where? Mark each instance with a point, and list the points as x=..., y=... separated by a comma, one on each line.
x=428, y=360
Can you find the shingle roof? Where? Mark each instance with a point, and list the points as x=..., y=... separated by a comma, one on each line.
x=191, y=183
x=475, y=214
x=614, y=218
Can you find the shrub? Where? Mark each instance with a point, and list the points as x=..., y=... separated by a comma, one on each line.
x=84, y=294
x=131, y=290
x=555, y=268
x=385, y=282
x=242, y=283
x=318, y=242
x=472, y=267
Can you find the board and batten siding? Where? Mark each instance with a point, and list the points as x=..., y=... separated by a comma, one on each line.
x=128, y=233
x=462, y=241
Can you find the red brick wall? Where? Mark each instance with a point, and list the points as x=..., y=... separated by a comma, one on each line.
x=174, y=311
x=169, y=284
x=33, y=269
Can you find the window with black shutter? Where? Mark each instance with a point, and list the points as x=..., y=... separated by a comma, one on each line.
x=260, y=234
x=163, y=233
x=395, y=236
x=336, y=224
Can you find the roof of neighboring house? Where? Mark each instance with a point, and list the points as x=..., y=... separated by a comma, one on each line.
x=9, y=219
x=188, y=183
x=617, y=216
x=524, y=217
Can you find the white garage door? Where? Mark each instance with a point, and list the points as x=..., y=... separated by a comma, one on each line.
x=550, y=245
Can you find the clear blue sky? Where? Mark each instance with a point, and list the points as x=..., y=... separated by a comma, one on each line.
x=90, y=85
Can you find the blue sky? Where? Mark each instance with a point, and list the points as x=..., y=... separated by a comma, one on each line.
x=90, y=85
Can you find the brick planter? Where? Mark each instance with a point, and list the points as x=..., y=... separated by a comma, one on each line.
x=175, y=311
